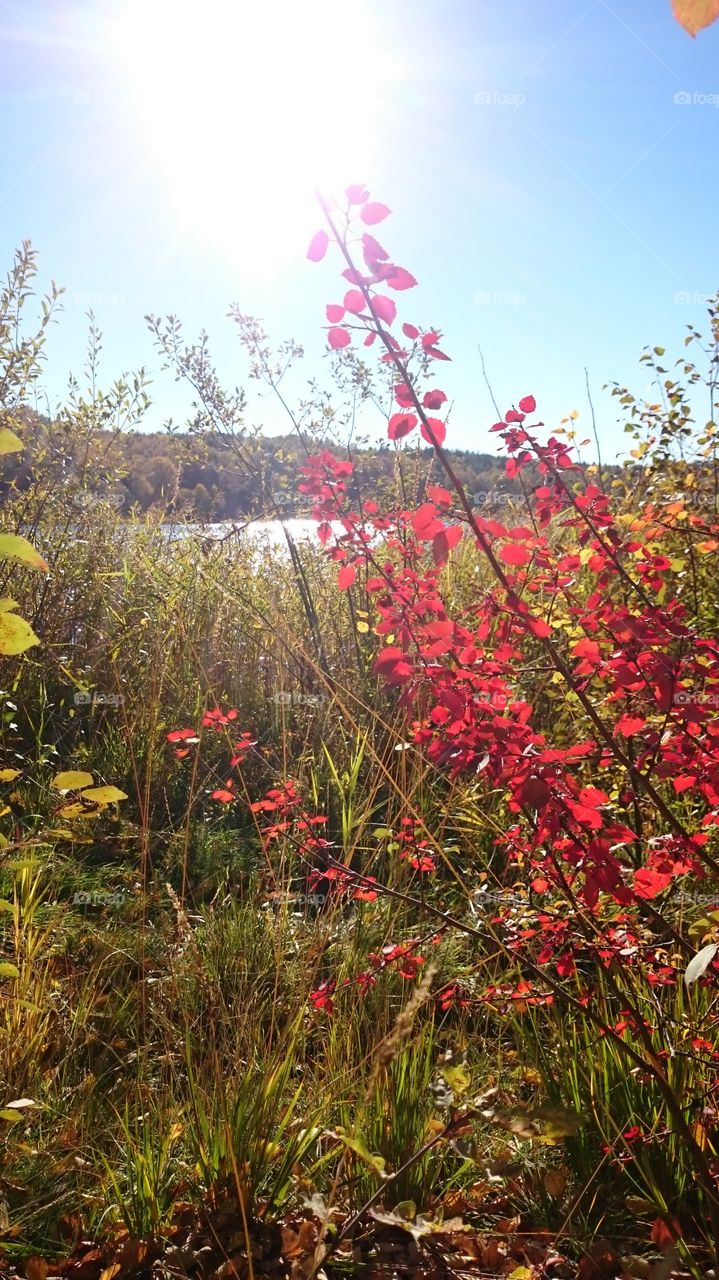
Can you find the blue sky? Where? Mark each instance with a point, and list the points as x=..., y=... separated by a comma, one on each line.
x=552, y=171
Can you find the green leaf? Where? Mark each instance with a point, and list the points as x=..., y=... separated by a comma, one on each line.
x=72, y=780
x=356, y=1143
x=457, y=1077
x=9, y=442
x=14, y=547
x=16, y=635
x=8, y=970
x=104, y=795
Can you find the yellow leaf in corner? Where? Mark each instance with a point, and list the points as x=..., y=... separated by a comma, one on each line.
x=696, y=14
x=16, y=635
x=9, y=442
x=14, y=547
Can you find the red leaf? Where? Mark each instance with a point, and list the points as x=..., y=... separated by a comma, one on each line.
x=400, y=279
x=629, y=725
x=444, y=542
x=400, y=424
x=346, y=576
x=357, y=194
x=648, y=883
x=182, y=735
x=433, y=399
x=338, y=338
x=439, y=431
x=528, y=404
x=318, y=246
x=334, y=312
x=425, y=522
x=540, y=628
x=354, y=301
x=684, y=782
x=225, y=797
x=514, y=554
x=535, y=793
x=356, y=277
x=403, y=395
x=373, y=213
x=410, y=331
x=392, y=665
x=438, y=494
x=372, y=250
x=386, y=309
x=588, y=649
x=664, y=1235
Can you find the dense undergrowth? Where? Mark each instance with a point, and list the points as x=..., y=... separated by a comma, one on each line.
x=398, y=893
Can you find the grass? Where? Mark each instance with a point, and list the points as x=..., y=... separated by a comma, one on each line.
x=160, y=1033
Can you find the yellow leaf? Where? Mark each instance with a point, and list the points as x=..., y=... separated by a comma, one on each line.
x=9, y=442
x=9, y=775
x=15, y=547
x=76, y=810
x=104, y=795
x=72, y=780
x=16, y=635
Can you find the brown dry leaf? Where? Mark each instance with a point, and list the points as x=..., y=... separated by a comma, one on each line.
x=109, y=1272
x=290, y=1244
x=132, y=1253
x=36, y=1268
x=555, y=1181
x=308, y=1235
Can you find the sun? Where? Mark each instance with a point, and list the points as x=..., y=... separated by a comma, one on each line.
x=247, y=108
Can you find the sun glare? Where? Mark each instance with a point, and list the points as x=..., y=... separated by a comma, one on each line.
x=247, y=108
